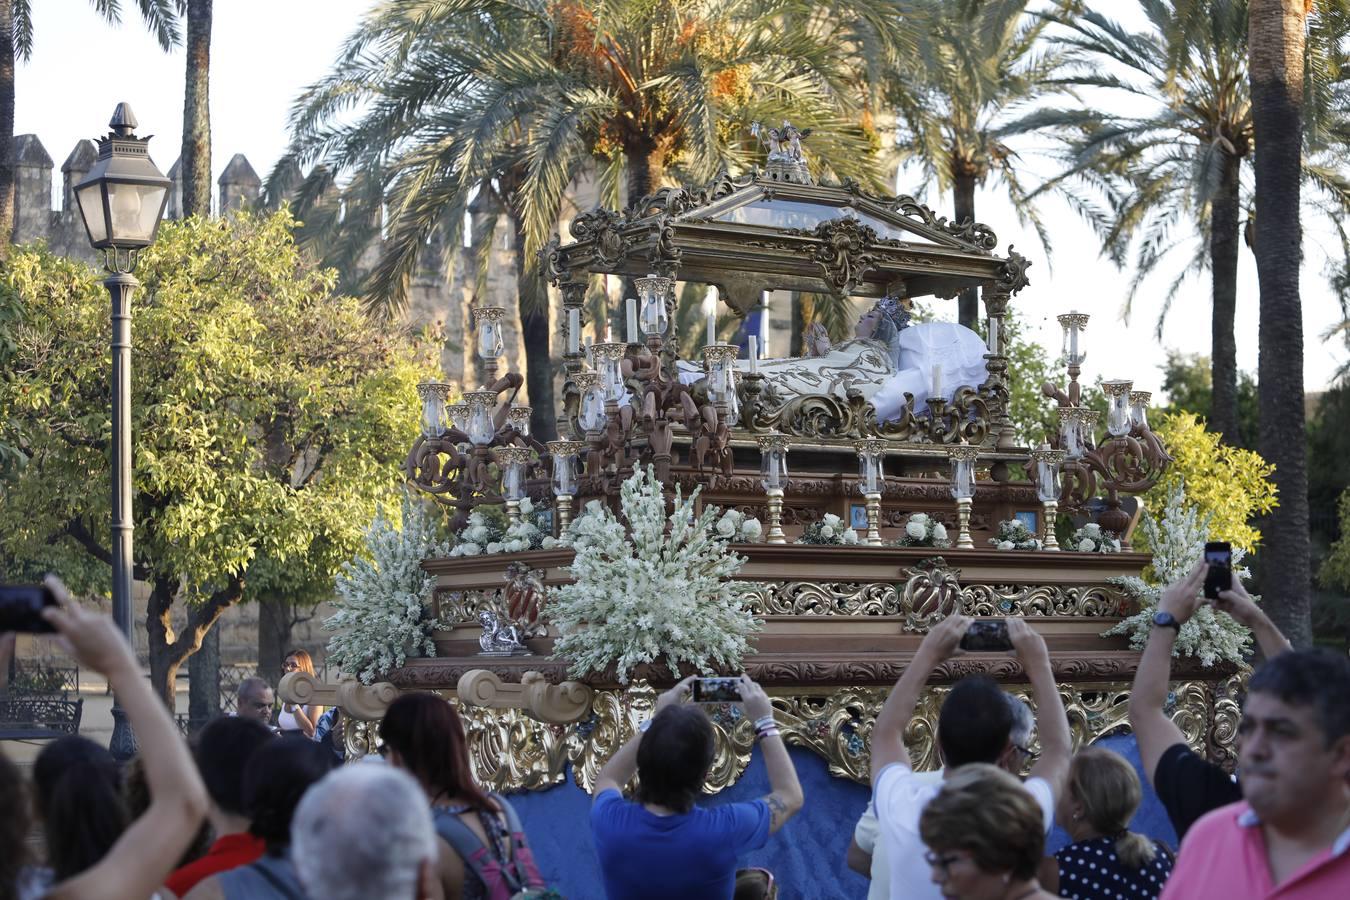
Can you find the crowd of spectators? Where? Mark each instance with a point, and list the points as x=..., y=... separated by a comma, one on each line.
x=253, y=810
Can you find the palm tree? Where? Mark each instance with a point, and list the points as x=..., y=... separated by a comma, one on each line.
x=1276, y=29
x=976, y=60
x=16, y=42
x=519, y=98
x=195, y=170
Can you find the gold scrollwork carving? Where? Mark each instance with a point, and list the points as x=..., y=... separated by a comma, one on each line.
x=1042, y=600
x=825, y=598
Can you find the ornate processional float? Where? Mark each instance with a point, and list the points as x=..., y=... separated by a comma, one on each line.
x=892, y=455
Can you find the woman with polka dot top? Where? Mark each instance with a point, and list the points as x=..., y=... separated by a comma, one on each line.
x=1106, y=861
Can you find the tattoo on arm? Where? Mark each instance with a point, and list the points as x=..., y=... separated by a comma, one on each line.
x=778, y=813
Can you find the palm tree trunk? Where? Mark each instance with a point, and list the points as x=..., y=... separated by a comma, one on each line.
x=196, y=154
x=1223, y=256
x=6, y=125
x=968, y=304
x=1275, y=37
x=535, y=335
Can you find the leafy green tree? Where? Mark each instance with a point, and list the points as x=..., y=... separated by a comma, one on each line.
x=975, y=60
x=1188, y=386
x=269, y=415
x=16, y=43
x=517, y=100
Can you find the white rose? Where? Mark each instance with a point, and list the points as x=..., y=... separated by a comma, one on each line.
x=1115, y=545
x=916, y=530
x=939, y=531
x=469, y=549
x=919, y=517
x=725, y=527
x=1005, y=545
x=494, y=547
x=832, y=520
x=1092, y=528
x=827, y=531
x=850, y=536
x=752, y=529
x=1086, y=545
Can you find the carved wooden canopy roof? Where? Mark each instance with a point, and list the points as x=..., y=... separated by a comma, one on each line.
x=756, y=233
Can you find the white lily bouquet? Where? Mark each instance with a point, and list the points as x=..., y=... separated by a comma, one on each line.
x=653, y=585
x=1092, y=539
x=922, y=530
x=829, y=530
x=1013, y=534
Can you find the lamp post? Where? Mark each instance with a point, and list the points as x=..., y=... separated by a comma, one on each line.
x=121, y=202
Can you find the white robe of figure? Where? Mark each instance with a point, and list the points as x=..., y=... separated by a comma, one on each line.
x=882, y=374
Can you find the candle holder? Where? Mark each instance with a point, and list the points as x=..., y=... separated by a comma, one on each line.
x=870, y=482
x=488, y=321
x=564, y=454
x=513, y=461
x=1071, y=431
x=1074, y=324
x=653, y=317
x=480, y=426
x=962, y=459
x=1118, y=419
x=1139, y=401
x=1045, y=464
x=433, y=395
x=773, y=450
x=519, y=417
x=609, y=361
x=1088, y=424
x=719, y=365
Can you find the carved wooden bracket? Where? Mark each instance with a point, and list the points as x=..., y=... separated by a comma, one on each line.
x=556, y=704
x=366, y=702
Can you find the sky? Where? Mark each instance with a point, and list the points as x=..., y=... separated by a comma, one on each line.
x=264, y=53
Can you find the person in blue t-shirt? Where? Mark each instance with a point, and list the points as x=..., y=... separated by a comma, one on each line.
x=661, y=845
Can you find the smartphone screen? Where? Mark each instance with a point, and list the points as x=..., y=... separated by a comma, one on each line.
x=21, y=608
x=986, y=636
x=1219, y=577
x=717, y=690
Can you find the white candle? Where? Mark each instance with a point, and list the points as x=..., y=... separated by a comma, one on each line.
x=590, y=360
x=1073, y=336
x=712, y=329
x=754, y=354
x=993, y=336
x=609, y=334
x=937, y=381
x=632, y=321
x=573, y=329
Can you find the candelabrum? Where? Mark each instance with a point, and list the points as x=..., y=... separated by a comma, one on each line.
x=488, y=321
x=962, y=457
x=870, y=481
x=1073, y=324
x=1044, y=467
x=564, y=454
x=773, y=450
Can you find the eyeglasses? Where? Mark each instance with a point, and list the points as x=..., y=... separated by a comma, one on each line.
x=943, y=861
x=291, y=666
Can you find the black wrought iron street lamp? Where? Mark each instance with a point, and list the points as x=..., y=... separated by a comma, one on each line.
x=122, y=201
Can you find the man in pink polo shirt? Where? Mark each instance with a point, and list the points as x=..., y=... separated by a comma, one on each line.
x=1290, y=837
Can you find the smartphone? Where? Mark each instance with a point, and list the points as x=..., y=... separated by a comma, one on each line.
x=1219, y=576
x=986, y=636
x=717, y=690
x=21, y=607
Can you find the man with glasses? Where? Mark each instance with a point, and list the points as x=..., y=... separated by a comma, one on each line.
x=255, y=700
x=974, y=725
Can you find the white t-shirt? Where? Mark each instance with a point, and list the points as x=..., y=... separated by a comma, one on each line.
x=900, y=797
x=867, y=835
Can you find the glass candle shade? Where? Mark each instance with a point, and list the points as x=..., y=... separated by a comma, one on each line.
x=773, y=461
x=652, y=292
x=480, y=425
x=519, y=417
x=457, y=416
x=870, y=472
x=1070, y=431
x=591, y=412
x=1046, y=464
x=609, y=361
x=1088, y=428
x=1073, y=324
x=565, y=455
x=962, y=459
x=1118, y=407
x=488, y=321
x=433, y=395
x=513, y=462
x=1139, y=401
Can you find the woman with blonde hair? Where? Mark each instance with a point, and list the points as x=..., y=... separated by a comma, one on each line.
x=1106, y=859
x=985, y=835
x=294, y=718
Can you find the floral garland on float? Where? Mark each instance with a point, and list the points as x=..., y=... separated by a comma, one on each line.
x=650, y=585
x=829, y=530
x=1013, y=534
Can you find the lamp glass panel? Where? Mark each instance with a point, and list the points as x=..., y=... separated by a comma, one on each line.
x=135, y=211
x=90, y=199
x=564, y=474
x=773, y=466
x=963, y=478
x=514, y=487
x=1047, y=481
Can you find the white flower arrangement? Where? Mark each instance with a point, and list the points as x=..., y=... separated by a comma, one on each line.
x=653, y=585
x=382, y=616
x=1013, y=534
x=922, y=530
x=489, y=531
x=1179, y=541
x=1091, y=538
x=829, y=530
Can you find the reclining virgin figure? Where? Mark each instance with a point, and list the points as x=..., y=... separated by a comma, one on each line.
x=887, y=358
